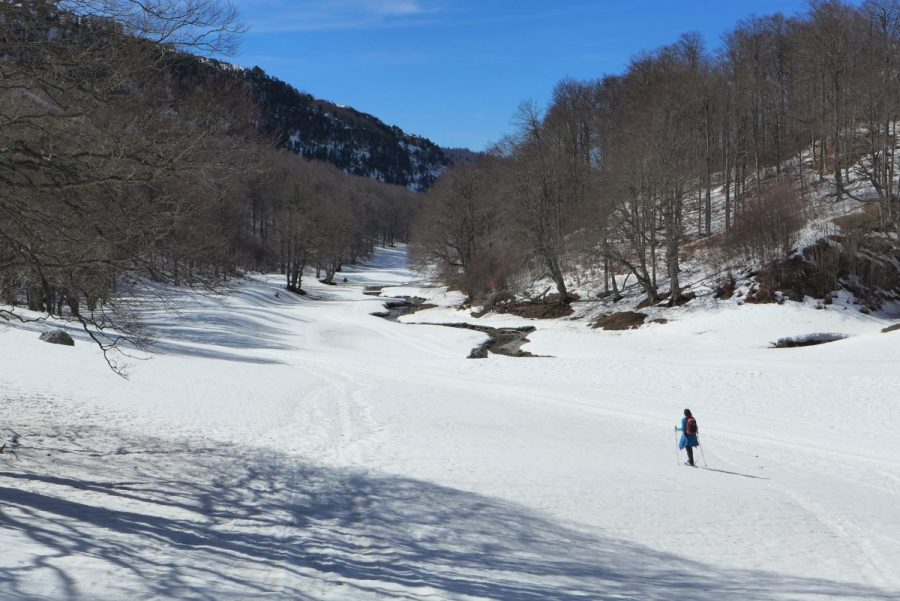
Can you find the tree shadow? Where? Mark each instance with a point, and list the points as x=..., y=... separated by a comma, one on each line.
x=170, y=347
x=179, y=522
x=214, y=326
x=203, y=324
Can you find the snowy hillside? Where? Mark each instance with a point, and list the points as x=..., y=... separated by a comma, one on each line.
x=285, y=447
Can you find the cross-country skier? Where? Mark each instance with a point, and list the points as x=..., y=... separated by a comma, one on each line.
x=688, y=431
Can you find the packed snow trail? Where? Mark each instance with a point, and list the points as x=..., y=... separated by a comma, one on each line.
x=298, y=448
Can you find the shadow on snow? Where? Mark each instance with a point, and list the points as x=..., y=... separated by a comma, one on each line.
x=217, y=522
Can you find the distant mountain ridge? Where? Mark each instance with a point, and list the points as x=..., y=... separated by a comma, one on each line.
x=353, y=141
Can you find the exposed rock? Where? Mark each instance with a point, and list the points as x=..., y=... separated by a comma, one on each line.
x=480, y=352
x=867, y=264
x=57, y=337
x=807, y=340
x=397, y=303
x=726, y=287
x=893, y=328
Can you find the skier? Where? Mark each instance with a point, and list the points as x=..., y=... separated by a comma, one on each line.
x=689, y=435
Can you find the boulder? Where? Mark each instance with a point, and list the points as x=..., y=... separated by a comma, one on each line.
x=57, y=337
x=480, y=352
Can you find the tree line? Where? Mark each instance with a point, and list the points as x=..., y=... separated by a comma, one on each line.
x=126, y=159
x=618, y=174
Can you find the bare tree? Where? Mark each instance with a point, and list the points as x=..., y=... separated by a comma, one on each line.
x=98, y=155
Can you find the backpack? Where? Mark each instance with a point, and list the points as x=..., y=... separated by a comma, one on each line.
x=691, y=428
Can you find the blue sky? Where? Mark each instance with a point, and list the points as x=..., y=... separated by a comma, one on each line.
x=454, y=71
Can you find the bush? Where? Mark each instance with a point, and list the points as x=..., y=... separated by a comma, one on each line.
x=489, y=273
x=767, y=227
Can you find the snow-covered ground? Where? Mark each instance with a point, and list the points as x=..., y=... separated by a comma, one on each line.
x=281, y=447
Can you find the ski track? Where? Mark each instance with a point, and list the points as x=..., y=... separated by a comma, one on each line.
x=823, y=463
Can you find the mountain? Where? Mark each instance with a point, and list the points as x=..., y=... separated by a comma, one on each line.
x=355, y=142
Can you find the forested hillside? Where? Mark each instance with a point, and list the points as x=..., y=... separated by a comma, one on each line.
x=731, y=158
x=122, y=164
x=354, y=142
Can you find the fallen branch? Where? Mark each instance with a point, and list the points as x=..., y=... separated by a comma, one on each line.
x=11, y=452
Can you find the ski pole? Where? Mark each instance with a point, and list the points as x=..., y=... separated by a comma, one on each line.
x=677, y=454
x=702, y=454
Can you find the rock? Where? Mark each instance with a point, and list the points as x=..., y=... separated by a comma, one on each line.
x=397, y=304
x=57, y=337
x=807, y=340
x=480, y=352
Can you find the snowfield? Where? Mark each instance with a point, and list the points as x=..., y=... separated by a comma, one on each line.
x=281, y=447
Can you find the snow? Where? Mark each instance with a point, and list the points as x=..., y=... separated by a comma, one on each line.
x=286, y=447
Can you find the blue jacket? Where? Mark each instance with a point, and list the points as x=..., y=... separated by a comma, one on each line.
x=686, y=441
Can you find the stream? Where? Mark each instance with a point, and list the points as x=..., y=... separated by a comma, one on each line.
x=501, y=341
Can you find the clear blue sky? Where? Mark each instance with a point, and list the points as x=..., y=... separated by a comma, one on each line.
x=454, y=71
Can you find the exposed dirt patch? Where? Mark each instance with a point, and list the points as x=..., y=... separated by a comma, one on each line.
x=625, y=320
x=548, y=307
x=538, y=310
x=893, y=328
x=651, y=302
